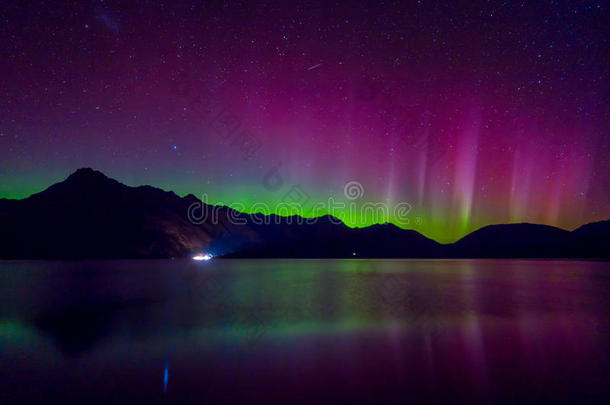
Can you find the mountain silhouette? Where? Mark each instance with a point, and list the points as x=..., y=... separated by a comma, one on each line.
x=90, y=215
x=512, y=240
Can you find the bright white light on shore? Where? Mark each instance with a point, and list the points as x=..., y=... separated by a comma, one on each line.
x=202, y=257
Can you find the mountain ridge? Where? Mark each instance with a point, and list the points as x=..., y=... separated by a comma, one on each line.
x=90, y=215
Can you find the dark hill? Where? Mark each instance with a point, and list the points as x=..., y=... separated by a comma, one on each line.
x=592, y=240
x=512, y=240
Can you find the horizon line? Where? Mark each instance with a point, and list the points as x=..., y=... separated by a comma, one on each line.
x=221, y=205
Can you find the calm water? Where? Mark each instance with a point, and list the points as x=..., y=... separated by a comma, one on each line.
x=419, y=331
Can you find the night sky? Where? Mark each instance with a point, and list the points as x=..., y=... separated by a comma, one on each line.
x=472, y=112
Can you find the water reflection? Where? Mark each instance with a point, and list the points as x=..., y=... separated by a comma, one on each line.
x=429, y=330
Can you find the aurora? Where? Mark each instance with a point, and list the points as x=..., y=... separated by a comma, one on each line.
x=467, y=128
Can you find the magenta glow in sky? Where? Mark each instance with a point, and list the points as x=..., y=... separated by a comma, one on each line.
x=472, y=112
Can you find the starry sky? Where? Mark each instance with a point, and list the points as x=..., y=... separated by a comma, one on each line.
x=471, y=112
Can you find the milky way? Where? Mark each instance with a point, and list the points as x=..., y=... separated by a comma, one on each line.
x=470, y=112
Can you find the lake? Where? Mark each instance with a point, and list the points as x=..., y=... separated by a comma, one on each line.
x=303, y=331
